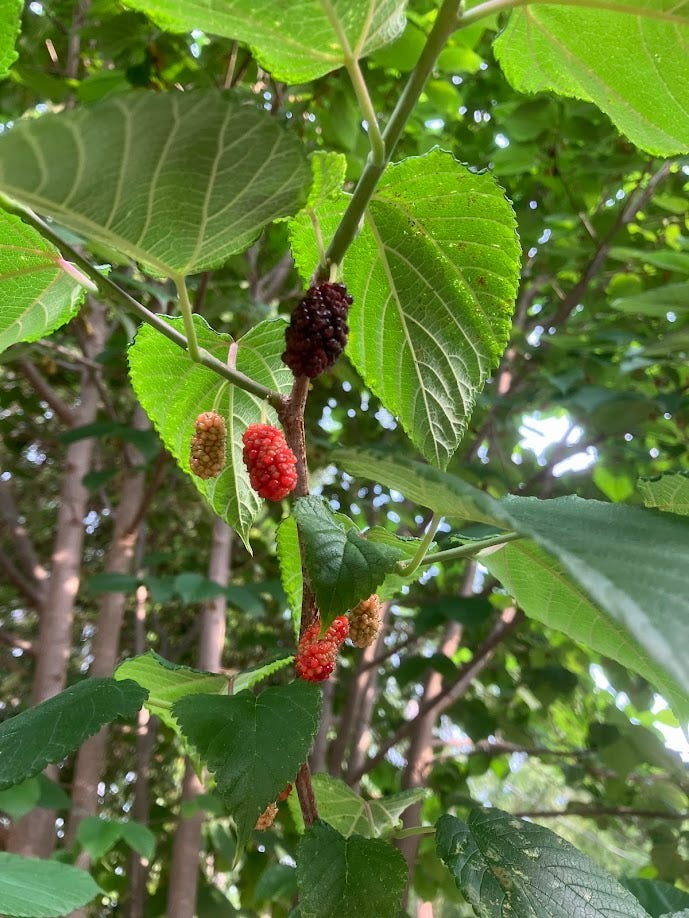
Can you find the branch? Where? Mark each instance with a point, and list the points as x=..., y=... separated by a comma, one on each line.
x=26, y=552
x=13, y=640
x=22, y=583
x=46, y=391
x=593, y=812
x=636, y=201
x=109, y=290
x=441, y=701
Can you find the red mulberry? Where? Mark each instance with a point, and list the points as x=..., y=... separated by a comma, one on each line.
x=317, y=333
x=269, y=461
x=315, y=660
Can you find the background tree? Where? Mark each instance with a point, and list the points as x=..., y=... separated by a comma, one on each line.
x=197, y=171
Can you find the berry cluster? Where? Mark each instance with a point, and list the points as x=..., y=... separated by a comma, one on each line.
x=317, y=333
x=315, y=660
x=364, y=621
x=269, y=461
x=207, y=454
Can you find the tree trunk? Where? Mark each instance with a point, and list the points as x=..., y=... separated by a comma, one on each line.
x=35, y=833
x=90, y=763
x=184, y=870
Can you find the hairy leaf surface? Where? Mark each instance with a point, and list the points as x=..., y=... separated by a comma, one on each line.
x=176, y=181
x=34, y=888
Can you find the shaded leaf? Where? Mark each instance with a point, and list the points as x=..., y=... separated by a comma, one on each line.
x=348, y=876
x=33, y=888
x=343, y=566
x=296, y=42
x=119, y=174
x=254, y=745
x=657, y=897
x=36, y=292
x=167, y=682
x=504, y=865
x=174, y=391
x=47, y=733
x=584, y=53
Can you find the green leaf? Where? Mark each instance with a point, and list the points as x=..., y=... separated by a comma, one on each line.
x=111, y=582
x=174, y=391
x=663, y=259
x=407, y=548
x=36, y=292
x=119, y=174
x=254, y=745
x=251, y=677
x=98, y=836
x=296, y=42
x=329, y=170
x=168, y=682
x=349, y=813
x=584, y=53
x=615, y=553
x=33, y=888
x=344, y=567
x=434, y=274
x=140, y=839
x=10, y=24
x=18, y=800
x=439, y=491
x=546, y=592
x=348, y=876
x=47, y=733
x=656, y=896
x=655, y=302
x=278, y=881
x=593, y=573
x=669, y=492
x=504, y=865
x=289, y=559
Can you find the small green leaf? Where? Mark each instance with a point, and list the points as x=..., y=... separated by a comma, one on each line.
x=98, y=836
x=296, y=42
x=36, y=292
x=140, y=839
x=168, y=682
x=584, y=53
x=669, y=492
x=348, y=876
x=10, y=24
x=56, y=727
x=251, y=677
x=386, y=811
x=118, y=174
x=254, y=745
x=289, y=558
x=504, y=865
x=174, y=391
x=657, y=897
x=111, y=582
x=343, y=566
x=655, y=302
x=33, y=888
x=18, y=800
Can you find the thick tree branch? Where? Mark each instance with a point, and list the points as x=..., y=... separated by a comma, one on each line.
x=25, y=586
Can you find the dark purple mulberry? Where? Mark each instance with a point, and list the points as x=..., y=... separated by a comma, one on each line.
x=317, y=333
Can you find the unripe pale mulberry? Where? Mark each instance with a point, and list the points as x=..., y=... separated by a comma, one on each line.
x=364, y=621
x=207, y=453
